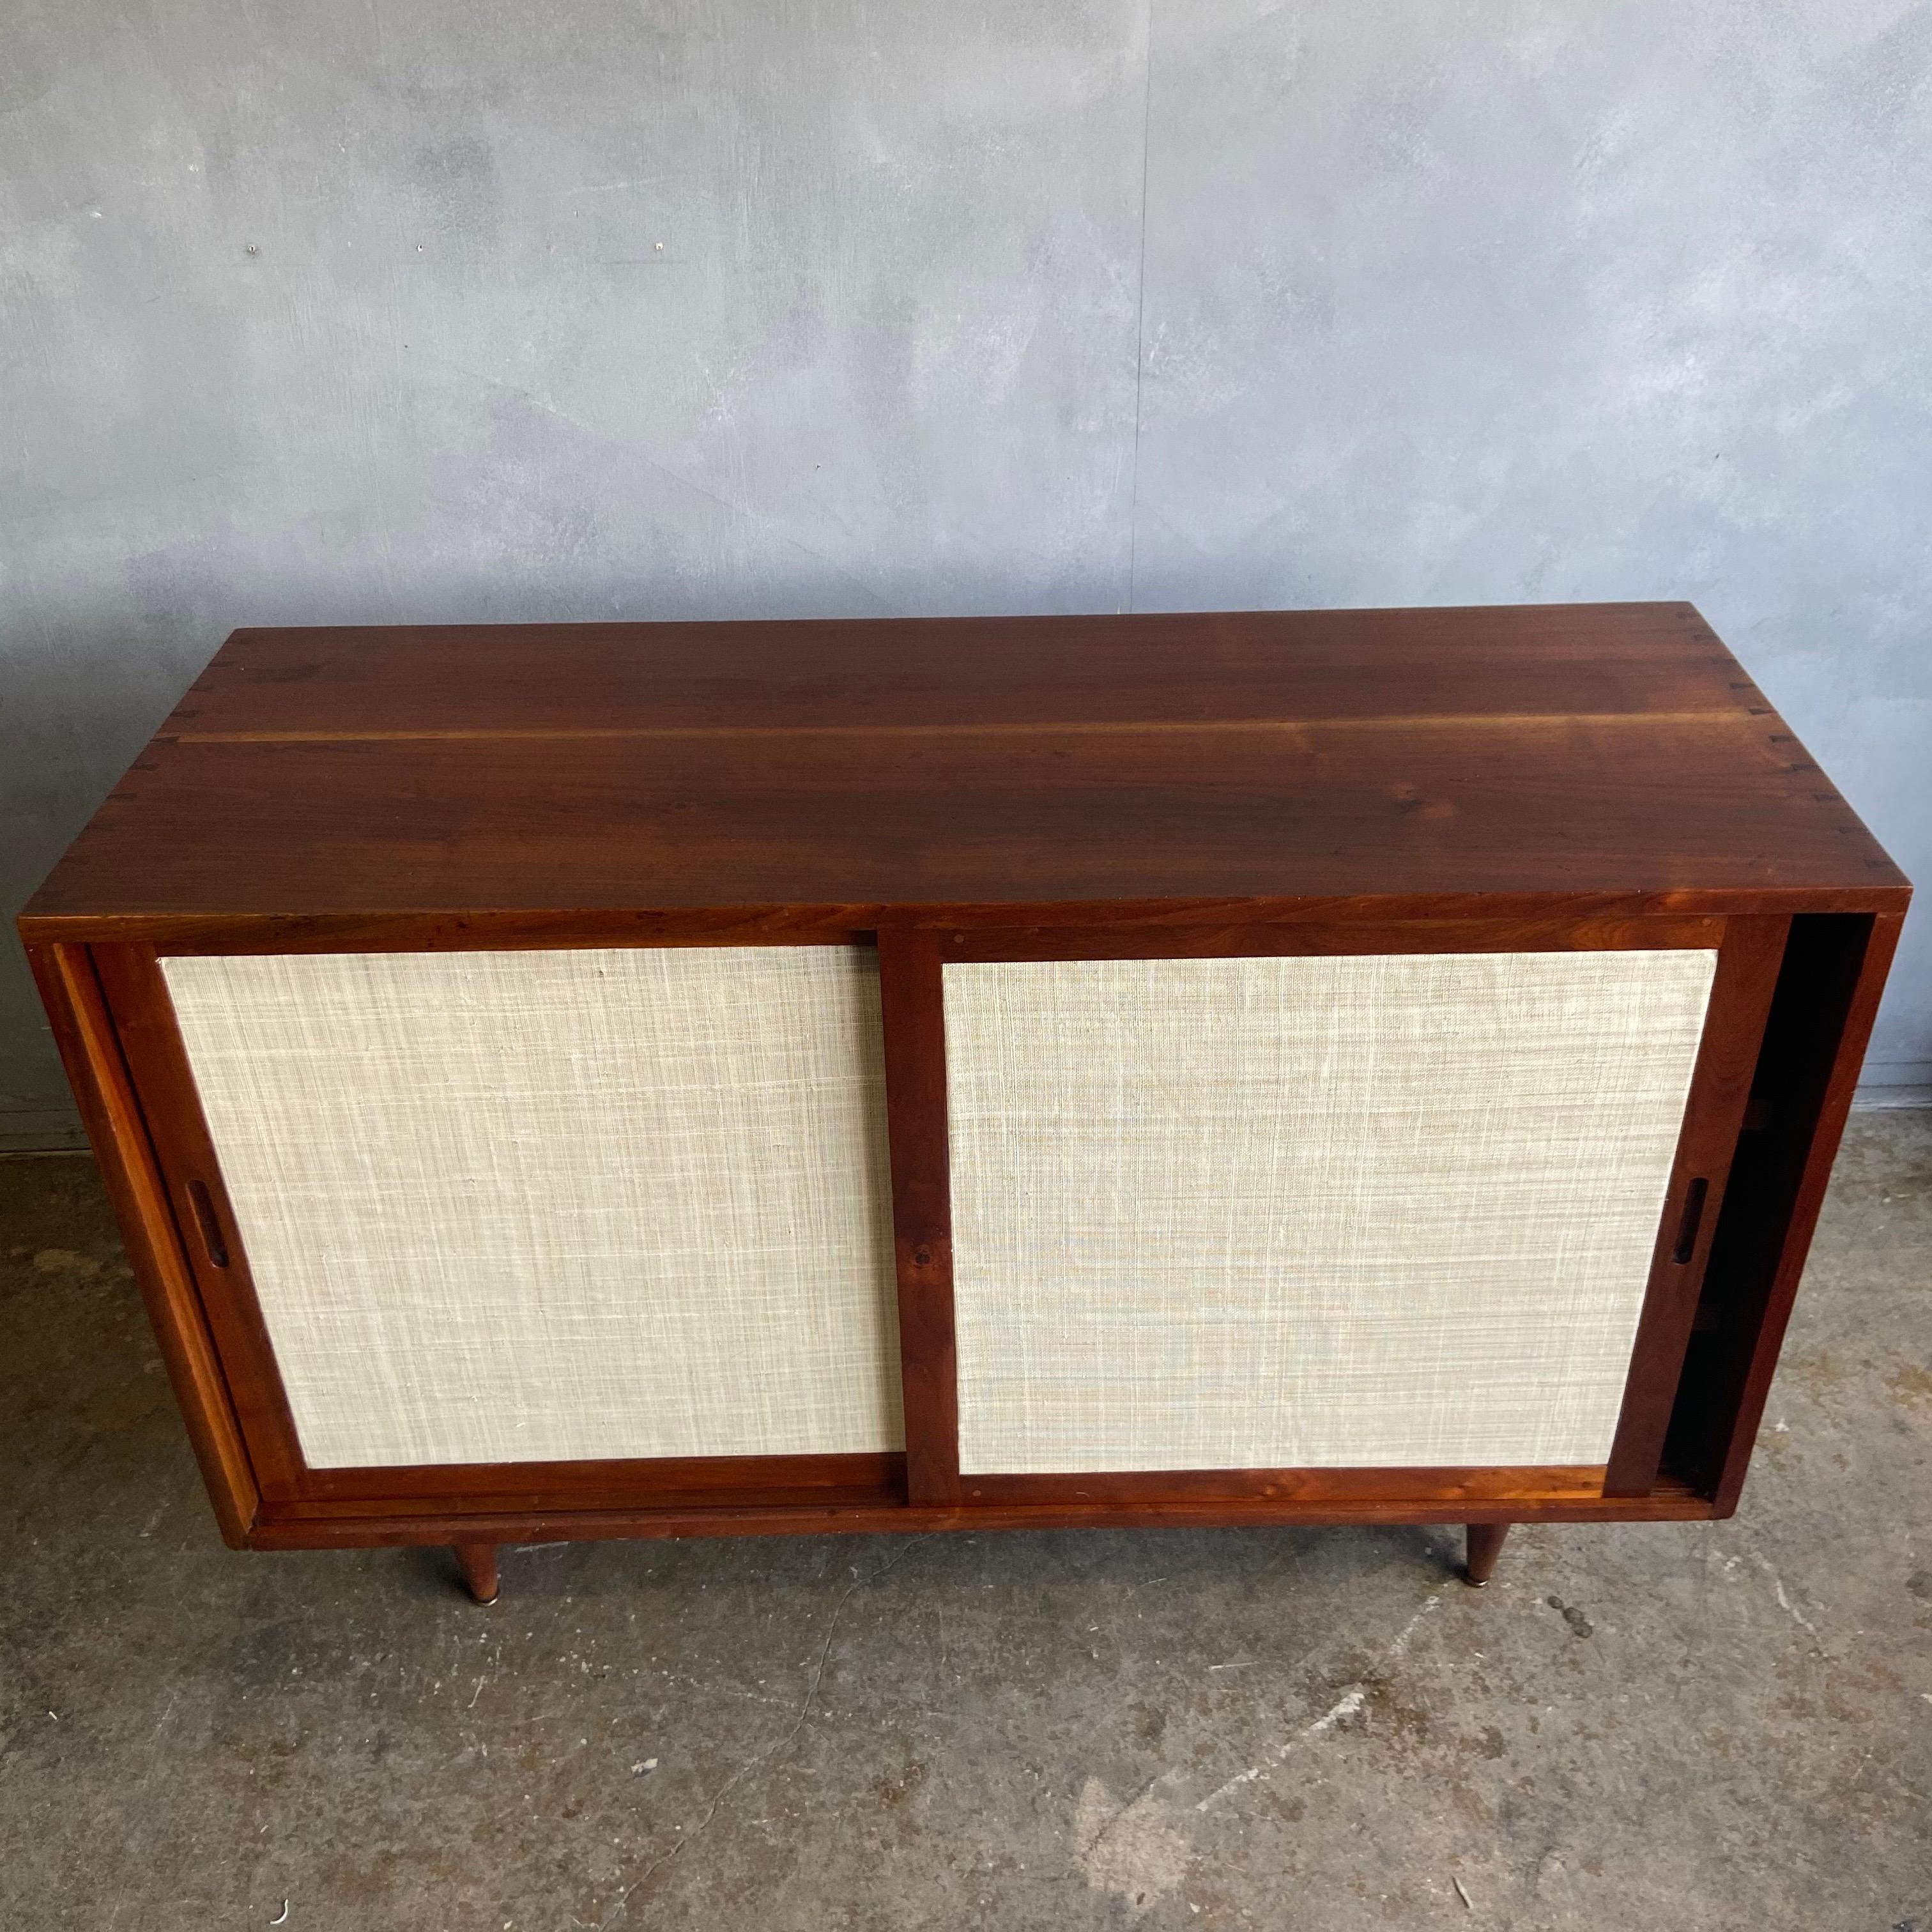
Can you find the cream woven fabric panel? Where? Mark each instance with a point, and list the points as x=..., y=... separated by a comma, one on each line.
x=514, y=1207
x=1289, y=1213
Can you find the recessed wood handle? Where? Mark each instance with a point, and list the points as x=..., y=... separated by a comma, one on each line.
x=1694, y=1196
x=199, y=1199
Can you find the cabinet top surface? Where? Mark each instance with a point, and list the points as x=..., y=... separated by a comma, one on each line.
x=1522, y=755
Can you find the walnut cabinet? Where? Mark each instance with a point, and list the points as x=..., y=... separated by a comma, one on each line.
x=669, y=1079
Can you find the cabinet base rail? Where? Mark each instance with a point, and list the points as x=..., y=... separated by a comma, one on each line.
x=475, y=1538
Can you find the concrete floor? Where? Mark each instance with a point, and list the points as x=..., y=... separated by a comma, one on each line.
x=1659, y=1727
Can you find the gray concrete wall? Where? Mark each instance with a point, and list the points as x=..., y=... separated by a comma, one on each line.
x=424, y=309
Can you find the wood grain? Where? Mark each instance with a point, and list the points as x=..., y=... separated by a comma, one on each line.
x=915, y=1050
x=1578, y=1482
x=655, y=1482
x=925, y=673
x=1485, y=1544
x=280, y=1528
x=84, y=1030
x=1309, y=938
x=477, y=1564
x=513, y=929
x=806, y=771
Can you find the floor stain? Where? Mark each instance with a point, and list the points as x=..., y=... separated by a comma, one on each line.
x=1579, y=1624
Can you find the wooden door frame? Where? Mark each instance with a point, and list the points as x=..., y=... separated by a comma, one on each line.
x=912, y=961
x=206, y=1241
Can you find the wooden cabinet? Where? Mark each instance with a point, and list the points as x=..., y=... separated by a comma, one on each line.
x=670, y=1079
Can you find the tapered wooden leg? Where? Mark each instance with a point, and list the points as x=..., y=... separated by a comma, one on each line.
x=477, y=1562
x=1485, y=1545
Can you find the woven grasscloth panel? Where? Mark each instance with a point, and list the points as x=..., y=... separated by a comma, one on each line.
x=1308, y=1213
x=511, y=1207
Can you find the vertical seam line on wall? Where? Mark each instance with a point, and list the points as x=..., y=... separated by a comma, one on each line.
x=1140, y=315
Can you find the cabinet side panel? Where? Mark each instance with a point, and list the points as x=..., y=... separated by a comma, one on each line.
x=524, y=1206
x=1814, y=1042
x=84, y=1029
x=1354, y=1212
